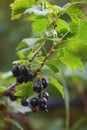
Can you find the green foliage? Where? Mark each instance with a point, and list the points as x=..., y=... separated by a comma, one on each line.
x=48, y=26
x=25, y=90
x=71, y=60
x=74, y=11
x=58, y=86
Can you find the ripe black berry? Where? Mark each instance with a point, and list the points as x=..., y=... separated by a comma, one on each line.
x=8, y=94
x=45, y=94
x=30, y=76
x=24, y=102
x=23, y=70
x=34, y=102
x=12, y=97
x=20, y=79
x=37, y=87
x=15, y=70
x=42, y=101
x=44, y=83
x=43, y=108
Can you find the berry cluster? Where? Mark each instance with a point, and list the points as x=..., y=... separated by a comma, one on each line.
x=22, y=74
x=40, y=103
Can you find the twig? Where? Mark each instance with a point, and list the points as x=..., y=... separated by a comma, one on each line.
x=37, y=51
x=49, y=53
x=10, y=88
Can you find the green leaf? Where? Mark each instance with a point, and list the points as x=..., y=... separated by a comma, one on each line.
x=40, y=25
x=27, y=42
x=54, y=8
x=32, y=42
x=74, y=11
x=71, y=60
x=79, y=35
x=58, y=86
x=52, y=67
x=21, y=62
x=74, y=28
x=25, y=90
x=23, y=54
x=82, y=31
x=37, y=10
x=61, y=24
x=19, y=6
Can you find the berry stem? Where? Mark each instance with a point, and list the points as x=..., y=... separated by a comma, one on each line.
x=36, y=52
x=11, y=87
x=49, y=53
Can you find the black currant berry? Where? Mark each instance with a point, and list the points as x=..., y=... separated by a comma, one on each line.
x=45, y=94
x=23, y=70
x=37, y=87
x=20, y=79
x=24, y=102
x=15, y=70
x=12, y=97
x=42, y=101
x=34, y=102
x=8, y=94
x=43, y=108
x=30, y=76
x=44, y=83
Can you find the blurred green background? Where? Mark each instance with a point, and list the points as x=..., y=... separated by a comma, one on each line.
x=11, y=33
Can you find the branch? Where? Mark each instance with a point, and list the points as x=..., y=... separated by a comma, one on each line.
x=37, y=51
x=10, y=88
x=43, y=62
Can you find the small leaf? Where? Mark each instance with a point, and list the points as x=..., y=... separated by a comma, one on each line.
x=37, y=10
x=25, y=90
x=21, y=62
x=71, y=60
x=23, y=54
x=19, y=6
x=58, y=86
x=61, y=24
x=52, y=67
x=54, y=7
x=74, y=11
x=40, y=25
x=82, y=31
x=27, y=42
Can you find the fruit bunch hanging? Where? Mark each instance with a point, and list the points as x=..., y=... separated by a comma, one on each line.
x=24, y=75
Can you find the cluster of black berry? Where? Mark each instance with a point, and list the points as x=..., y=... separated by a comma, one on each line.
x=22, y=74
x=40, y=103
